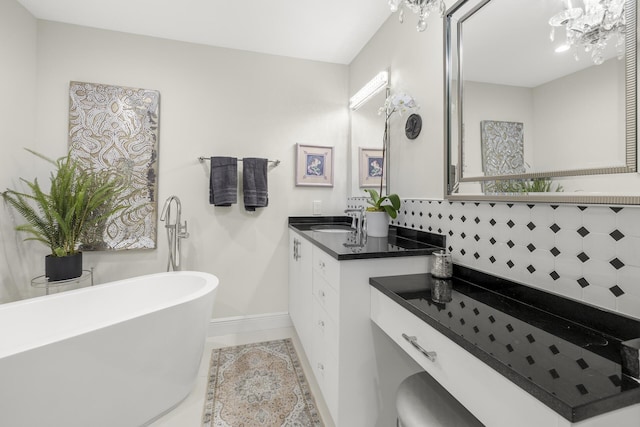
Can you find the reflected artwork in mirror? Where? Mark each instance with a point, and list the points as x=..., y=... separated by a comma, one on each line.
x=541, y=110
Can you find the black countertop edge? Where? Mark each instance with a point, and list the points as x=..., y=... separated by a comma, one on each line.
x=572, y=414
x=305, y=222
x=615, y=325
x=368, y=255
x=396, y=236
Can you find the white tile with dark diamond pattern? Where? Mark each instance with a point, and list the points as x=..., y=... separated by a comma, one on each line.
x=590, y=253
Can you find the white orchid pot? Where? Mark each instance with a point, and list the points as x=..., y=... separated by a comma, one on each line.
x=377, y=224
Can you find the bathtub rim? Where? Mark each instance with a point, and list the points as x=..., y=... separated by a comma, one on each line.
x=210, y=285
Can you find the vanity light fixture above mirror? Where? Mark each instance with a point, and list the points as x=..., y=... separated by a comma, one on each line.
x=375, y=85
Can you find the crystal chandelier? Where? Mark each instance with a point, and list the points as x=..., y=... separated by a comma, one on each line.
x=422, y=7
x=590, y=28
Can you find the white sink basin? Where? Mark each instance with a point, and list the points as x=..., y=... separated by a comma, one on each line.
x=332, y=228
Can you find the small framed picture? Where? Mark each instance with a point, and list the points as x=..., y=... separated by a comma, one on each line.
x=314, y=165
x=371, y=167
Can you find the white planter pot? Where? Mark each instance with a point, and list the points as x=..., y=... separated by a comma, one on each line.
x=377, y=224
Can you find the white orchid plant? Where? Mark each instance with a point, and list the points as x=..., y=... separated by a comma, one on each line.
x=400, y=103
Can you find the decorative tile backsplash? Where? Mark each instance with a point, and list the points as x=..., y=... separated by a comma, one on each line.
x=589, y=253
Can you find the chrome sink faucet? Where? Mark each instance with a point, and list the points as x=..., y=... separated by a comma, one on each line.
x=357, y=221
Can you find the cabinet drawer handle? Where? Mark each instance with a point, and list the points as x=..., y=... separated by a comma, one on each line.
x=295, y=249
x=431, y=355
x=322, y=264
x=321, y=293
x=321, y=323
x=321, y=366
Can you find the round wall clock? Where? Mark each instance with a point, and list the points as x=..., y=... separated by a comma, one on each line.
x=413, y=127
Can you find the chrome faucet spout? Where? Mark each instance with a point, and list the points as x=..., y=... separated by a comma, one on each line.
x=357, y=221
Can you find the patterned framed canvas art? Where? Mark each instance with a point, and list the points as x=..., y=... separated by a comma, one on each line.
x=502, y=152
x=502, y=147
x=115, y=128
x=314, y=165
x=371, y=167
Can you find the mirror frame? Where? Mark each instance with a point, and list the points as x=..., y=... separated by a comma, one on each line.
x=454, y=173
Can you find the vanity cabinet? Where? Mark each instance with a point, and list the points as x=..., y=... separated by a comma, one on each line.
x=492, y=398
x=300, y=286
x=467, y=378
x=329, y=306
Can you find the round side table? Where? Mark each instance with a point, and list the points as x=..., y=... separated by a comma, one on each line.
x=43, y=281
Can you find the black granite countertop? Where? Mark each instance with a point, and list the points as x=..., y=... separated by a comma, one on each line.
x=401, y=242
x=565, y=354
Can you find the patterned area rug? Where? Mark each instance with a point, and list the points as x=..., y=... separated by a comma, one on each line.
x=258, y=385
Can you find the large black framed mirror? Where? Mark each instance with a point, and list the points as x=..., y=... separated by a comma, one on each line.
x=525, y=122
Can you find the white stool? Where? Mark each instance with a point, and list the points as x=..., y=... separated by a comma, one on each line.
x=422, y=402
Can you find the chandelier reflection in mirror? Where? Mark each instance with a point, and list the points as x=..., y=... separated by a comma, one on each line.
x=592, y=27
x=422, y=7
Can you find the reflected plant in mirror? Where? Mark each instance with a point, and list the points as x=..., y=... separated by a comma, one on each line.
x=524, y=119
x=535, y=185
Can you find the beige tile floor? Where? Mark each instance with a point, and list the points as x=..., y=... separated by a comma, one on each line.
x=189, y=412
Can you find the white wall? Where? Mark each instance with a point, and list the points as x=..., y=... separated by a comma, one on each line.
x=565, y=120
x=565, y=124
x=575, y=113
x=415, y=63
x=485, y=101
x=17, y=127
x=214, y=101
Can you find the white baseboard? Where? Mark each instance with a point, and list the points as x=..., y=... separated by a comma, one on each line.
x=239, y=324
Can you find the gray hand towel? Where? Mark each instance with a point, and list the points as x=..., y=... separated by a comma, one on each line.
x=254, y=181
x=223, y=184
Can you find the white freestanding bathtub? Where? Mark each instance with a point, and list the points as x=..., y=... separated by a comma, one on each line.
x=113, y=355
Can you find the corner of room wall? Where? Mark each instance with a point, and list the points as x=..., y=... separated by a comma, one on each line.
x=211, y=104
x=414, y=60
x=17, y=127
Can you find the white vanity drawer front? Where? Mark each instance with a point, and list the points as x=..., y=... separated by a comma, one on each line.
x=326, y=328
x=331, y=391
x=326, y=296
x=325, y=368
x=328, y=267
x=492, y=398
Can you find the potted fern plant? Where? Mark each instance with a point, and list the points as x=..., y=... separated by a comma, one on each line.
x=77, y=200
x=382, y=207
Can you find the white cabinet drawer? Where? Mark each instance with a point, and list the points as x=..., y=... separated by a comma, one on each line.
x=325, y=368
x=325, y=328
x=326, y=296
x=327, y=267
x=492, y=398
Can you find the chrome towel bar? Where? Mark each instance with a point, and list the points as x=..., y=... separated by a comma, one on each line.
x=203, y=159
